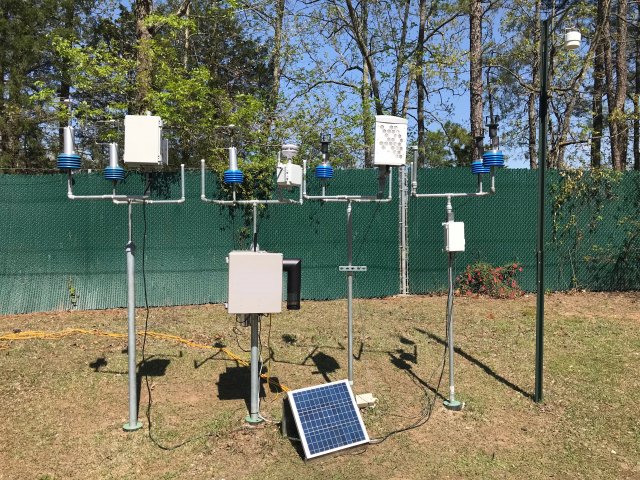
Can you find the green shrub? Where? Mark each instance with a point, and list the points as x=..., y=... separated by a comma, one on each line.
x=483, y=278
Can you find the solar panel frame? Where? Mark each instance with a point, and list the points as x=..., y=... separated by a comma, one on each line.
x=327, y=418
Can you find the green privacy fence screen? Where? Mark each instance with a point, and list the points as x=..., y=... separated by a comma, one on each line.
x=60, y=254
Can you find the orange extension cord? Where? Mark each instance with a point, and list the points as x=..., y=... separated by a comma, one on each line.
x=44, y=335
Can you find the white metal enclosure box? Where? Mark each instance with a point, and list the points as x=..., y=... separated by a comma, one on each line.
x=255, y=282
x=289, y=175
x=454, y=236
x=143, y=141
x=390, y=141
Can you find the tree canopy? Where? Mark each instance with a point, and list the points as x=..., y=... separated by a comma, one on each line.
x=284, y=70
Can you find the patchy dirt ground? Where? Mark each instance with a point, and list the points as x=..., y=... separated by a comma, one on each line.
x=64, y=401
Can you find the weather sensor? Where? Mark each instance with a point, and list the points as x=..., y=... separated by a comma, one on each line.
x=454, y=240
x=390, y=149
x=255, y=276
x=390, y=141
x=143, y=138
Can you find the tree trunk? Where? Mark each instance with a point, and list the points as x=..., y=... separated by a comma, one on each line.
x=622, y=74
x=365, y=92
x=475, y=75
x=400, y=59
x=276, y=67
x=532, y=109
x=598, y=118
x=143, y=60
x=420, y=81
x=636, y=99
x=187, y=40
x=365, y=51
x=616, y=87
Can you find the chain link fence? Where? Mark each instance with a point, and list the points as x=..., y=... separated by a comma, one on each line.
x=58, y=254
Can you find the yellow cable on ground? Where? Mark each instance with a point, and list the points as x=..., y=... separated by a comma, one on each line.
x=44, y=335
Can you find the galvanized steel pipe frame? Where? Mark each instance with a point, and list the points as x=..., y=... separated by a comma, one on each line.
x=125, y=199
x=254, y=318
x=451, y=403
x=479, y=193
x=345, y=198
x=234, y=201
x=133, y=423
x=348, y=199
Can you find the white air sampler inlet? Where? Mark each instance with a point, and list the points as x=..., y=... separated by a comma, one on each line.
x=289, y=174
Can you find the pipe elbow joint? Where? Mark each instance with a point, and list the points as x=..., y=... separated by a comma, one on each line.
x=293, y=268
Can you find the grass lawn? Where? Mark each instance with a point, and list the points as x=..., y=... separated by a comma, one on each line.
x=64, y=401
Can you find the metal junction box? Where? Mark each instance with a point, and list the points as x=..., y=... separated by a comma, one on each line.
x=289, y=175
x=143, y=145
x=453, y=236
x=255, y=282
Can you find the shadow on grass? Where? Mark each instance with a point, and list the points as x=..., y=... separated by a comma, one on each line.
x=325, y=364
x=235, y=384
x=486, y=368
x=151, y=366
x=403, y=360
x=219, y=345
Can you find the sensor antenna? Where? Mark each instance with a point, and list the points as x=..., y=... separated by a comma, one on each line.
x=233, y=175
x=114, y=171
x=324, y=171
x=494, y=157
x=68, y=159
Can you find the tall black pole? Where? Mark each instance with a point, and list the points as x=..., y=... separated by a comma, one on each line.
x=542, y=165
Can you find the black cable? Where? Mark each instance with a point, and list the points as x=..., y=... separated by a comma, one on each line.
x=144, y=343
x=237, y=338
x=429, y=409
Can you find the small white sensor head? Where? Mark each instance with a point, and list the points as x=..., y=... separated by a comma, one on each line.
x=572, y=39
x=289, y=151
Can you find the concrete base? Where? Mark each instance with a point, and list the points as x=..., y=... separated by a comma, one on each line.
x=452, y=405
x=253, y=420
x=127, y=427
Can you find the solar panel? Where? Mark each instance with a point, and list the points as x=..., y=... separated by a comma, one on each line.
x=327, y=418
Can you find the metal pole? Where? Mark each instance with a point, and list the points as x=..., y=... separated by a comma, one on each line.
x=255, y=228
x=404, y=280
x=451, y=403
x=349, y=294
x=130, y=248
x=542, y=165
x=254, y=401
